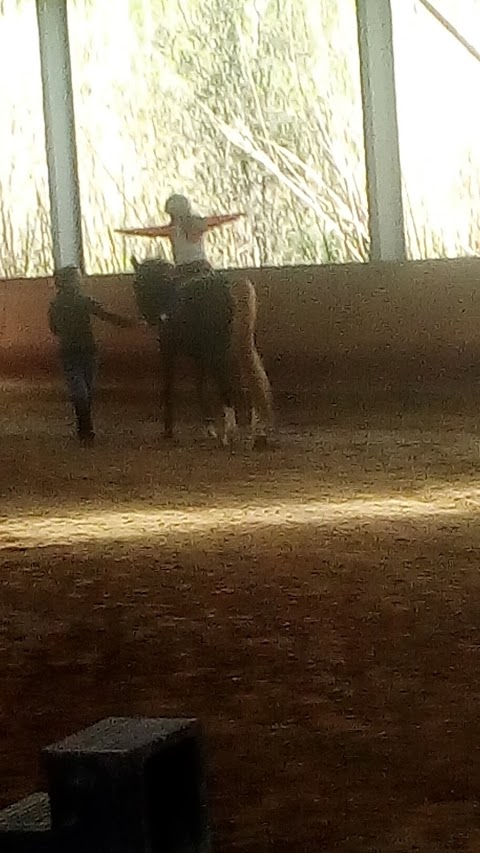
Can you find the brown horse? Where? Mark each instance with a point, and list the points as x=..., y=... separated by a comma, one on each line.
x=211, y=320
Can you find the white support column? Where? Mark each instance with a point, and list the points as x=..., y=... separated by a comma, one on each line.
x=384, y=177
x=60, y=141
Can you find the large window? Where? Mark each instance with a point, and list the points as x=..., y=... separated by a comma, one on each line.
x=25, y=243
x=250, y=105
x=439, y=127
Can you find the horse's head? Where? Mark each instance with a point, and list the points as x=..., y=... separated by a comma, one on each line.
x=154, y=288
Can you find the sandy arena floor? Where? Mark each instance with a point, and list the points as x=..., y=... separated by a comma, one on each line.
x=317, y=606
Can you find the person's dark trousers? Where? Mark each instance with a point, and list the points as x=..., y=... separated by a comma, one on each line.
x=79, y=368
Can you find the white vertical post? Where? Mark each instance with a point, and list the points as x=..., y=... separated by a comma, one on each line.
x=384, y=176
x=60, y=141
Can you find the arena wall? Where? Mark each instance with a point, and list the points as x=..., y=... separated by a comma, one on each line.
x=372, y=328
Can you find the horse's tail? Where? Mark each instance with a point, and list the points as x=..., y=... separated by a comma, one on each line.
x=252, y=372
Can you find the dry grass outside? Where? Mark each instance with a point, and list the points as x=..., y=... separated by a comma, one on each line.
x=254, y=106
x=316, y=606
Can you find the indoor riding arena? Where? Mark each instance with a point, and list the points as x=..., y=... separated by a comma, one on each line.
x=303, y=613
x=315, y=604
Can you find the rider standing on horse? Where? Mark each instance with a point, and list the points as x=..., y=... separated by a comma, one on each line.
x=186, y=234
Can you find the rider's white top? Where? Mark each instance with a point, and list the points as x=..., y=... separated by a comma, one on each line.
x=187, y=240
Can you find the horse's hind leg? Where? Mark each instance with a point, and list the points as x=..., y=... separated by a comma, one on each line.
x=230, y=428
x=258, y=431
x=168, y=387
x=253, y=376
x=257, y=393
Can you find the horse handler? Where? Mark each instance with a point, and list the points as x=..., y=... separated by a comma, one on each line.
x=69, y=319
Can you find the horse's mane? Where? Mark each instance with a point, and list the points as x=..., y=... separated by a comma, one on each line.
x=155, y=286
x=155, y=265
x=152, y=283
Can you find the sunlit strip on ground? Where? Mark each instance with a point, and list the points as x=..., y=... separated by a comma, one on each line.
x=111, y=525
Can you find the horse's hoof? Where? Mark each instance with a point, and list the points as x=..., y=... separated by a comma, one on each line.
x=230, y=441
x=168, y=435
x=210, y=432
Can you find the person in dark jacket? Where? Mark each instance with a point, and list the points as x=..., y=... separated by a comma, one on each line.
x=69, y=318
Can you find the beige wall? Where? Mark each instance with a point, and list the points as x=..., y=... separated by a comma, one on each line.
x=354, y=322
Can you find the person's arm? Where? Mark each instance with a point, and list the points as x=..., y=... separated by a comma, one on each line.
x=198, y=225
x=202, y=225
x=151, y=231
x=223, y=219
x=110, y=317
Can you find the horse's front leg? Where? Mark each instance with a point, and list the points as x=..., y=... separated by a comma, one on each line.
x=168, y=386
x=204, y=401
x=221, y=369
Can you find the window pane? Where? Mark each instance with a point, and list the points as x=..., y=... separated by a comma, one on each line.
x=25, y=244
x=439, y=127
x=250, y=105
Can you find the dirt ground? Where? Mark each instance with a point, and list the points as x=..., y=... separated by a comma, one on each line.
x=317, y=606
